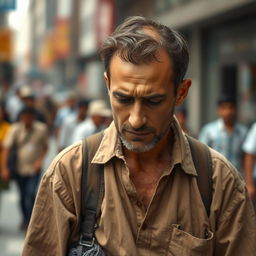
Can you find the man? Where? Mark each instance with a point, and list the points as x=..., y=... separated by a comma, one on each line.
x=29, y=99
x=71, y=122
x=249, y=148
x=30, y=137
x=150, y=207
x=64, y=111
x=96, y=121
x=225, y=134
x=13, y=104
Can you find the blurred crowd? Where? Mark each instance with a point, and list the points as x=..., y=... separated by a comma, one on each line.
x=28, y=121
x=234, y=140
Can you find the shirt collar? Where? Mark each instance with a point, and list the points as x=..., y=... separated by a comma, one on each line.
x=23, y=128
x=110, y=147
x=181, y=150
x=221, y=126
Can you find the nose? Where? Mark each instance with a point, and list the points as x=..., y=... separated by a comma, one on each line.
x=137, y=116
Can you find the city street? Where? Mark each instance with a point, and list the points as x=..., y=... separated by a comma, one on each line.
x=11, y=238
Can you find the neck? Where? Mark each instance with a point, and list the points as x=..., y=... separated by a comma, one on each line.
x=28, y=126
x=229, y=125
x=81, y=118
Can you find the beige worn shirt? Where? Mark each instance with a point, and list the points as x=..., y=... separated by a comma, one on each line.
x=30, y=144
x=175, y=222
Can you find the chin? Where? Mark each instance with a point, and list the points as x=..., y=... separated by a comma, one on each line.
x=132, y=146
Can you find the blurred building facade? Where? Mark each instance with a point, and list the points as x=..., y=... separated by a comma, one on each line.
x=6, y=50
x=66, y=34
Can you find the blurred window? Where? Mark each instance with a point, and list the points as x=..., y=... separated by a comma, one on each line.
x=163, y=5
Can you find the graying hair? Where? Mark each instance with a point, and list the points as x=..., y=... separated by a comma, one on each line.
x=133, y=44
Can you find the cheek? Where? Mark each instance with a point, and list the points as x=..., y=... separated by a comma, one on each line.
x=167, y=115
x=118, y=114
x=120, y=111
x=162, y=119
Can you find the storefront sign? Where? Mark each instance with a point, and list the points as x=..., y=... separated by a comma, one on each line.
x=6, y=47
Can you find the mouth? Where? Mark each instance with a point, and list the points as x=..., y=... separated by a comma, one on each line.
x=136, y=133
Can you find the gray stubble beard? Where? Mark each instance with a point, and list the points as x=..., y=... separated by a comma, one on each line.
x=145, y=148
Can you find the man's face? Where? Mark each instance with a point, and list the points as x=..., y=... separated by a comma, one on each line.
x=27, y=119
x=98, y=120
x=29, y=101
x=227, y=111
x=142, y=99
x=82, y=112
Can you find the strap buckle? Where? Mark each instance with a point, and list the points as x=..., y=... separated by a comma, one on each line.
x=86, y=243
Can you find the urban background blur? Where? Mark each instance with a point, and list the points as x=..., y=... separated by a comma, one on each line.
x=52, y=46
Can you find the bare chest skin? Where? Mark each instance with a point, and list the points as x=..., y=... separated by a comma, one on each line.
x=145, y=179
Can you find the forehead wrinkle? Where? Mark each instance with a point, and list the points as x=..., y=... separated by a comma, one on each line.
x=137, y=75
x=136, y=90
x=141, y=90
x=143, y=78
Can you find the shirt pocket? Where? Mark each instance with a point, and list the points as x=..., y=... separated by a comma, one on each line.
x=183, y=243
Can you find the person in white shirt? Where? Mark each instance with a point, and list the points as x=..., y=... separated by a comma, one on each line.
x=249, y=148
x=63, y=112
x=14, y=105
x=99, y=113
x=71, y=122
x=225, y=134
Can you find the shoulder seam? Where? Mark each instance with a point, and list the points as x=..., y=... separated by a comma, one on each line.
x=63, y=153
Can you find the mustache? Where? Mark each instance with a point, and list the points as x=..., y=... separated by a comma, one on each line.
x=143, y=128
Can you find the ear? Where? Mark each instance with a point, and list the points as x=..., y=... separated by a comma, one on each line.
x=107, y=80
x=182, y=91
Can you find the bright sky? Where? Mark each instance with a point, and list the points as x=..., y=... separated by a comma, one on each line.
x=16, y=16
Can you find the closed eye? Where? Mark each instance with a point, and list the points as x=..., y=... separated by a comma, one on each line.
x=153, y=102
x=123, y=99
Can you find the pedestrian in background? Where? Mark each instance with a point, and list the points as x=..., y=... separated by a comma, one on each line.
x=30, y=137
x=225, y=134
x=48, y=106
x=249, y=148
x=181, y=114
x=71, y=122
x=98, y=114
x=29, y=100
x=14, y=104
x=4, y=128
x=152, y=204
x=64, y=111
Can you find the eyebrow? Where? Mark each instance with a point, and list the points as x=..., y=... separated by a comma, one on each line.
x=150, y=97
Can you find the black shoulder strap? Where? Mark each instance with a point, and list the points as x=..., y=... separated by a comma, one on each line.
x=203, y=164
x=92, y=188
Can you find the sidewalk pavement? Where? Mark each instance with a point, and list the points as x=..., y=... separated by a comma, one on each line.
x=11, y=238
